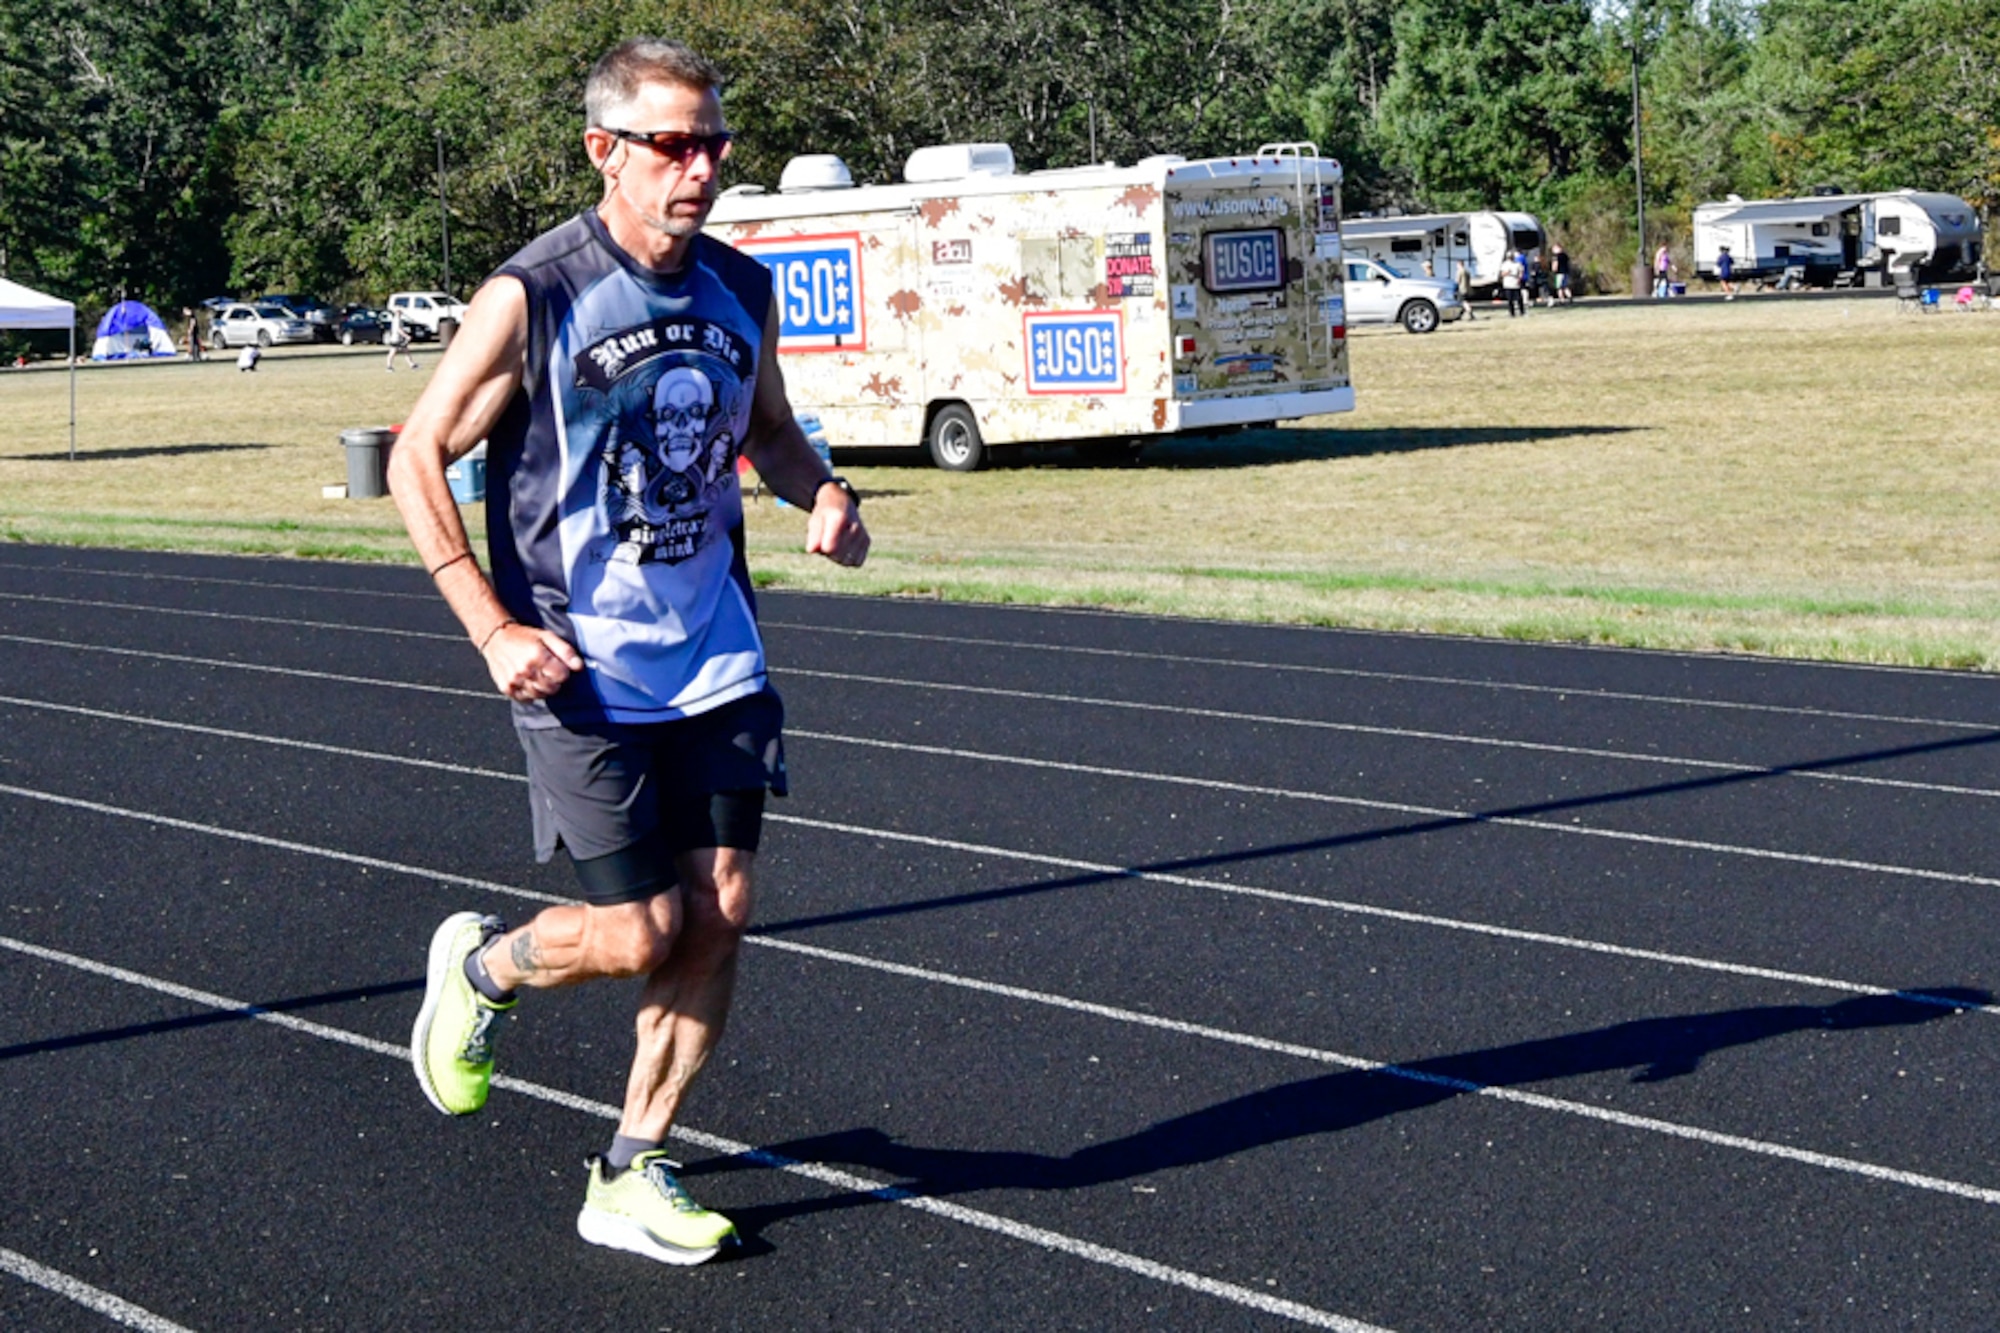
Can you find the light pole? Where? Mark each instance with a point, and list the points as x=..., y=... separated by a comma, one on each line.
x=444, y=218
x=1640, y=271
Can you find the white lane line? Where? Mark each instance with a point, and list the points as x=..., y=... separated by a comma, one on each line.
x=114, y=1308
x=258, y=738
x=281, y=844
x=1357, y=673
x=1406, y=677
x=1537, y=1101
x=1398, y=733
x=150, y=576
x=286, y=621
x=299, y=672
x=1665, y=761
x=1449, y=815
x=1065, y=863
x=1370, y=910
x=1055, y=1241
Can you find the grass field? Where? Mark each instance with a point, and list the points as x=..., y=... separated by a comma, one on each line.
x=1799, y=477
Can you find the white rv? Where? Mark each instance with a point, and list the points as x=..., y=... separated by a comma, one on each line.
x=1481, y=241
x=1827, y=238
x=974, y=306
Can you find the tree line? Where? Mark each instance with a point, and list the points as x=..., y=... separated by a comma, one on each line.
x=171, y=150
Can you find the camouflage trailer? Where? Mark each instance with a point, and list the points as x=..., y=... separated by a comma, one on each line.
x=974, y=306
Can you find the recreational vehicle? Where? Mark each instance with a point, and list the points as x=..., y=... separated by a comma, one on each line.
x=974, y=305
x=1824, y=239
x=1480, y=241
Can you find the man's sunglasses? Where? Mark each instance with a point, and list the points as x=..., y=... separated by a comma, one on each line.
x=679, y=146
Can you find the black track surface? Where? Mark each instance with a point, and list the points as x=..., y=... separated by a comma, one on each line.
x=1650, y=903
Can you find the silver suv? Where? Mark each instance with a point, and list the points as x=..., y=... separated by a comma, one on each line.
x=241, y=324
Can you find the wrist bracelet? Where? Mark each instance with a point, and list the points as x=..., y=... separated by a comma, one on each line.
x=853, y=497
x=492, y=632
x=462, y=555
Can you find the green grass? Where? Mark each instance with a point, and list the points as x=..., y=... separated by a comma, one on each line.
x=1802, y=478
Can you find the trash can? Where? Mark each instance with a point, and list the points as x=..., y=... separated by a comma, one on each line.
x=367, y=461
x=467, y=477
x=815, y=433
x=447, y=330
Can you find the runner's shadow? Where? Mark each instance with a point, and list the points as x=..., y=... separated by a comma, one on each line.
x=1655, y=1049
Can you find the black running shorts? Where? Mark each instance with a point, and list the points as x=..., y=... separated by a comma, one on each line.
x=624, y=801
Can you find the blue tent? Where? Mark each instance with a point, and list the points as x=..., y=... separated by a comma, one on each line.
x=131, y=329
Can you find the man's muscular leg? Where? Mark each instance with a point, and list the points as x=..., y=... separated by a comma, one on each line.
x=584, y=942
x=685, y=1004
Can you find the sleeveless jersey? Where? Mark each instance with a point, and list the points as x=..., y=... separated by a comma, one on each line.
x=614, y=517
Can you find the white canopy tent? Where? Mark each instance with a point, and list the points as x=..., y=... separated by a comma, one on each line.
x=23, y=308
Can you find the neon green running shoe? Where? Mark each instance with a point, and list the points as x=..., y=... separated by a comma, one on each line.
x=452, y=1043
x=644, y=1210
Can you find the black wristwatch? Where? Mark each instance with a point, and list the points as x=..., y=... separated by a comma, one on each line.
x=853, y=496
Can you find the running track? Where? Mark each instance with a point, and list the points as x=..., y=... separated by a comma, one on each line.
x=1110, y=973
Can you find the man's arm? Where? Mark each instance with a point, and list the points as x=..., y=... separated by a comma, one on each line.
x=777, y=448
x=470, y=389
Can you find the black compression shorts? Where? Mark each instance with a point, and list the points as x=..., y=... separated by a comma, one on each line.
x=624, y=801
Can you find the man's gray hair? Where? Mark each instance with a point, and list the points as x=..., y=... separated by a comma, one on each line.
x=619, y=74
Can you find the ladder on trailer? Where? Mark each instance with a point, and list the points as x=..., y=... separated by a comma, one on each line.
x=1301, y=153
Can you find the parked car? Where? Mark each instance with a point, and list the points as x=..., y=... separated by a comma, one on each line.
x=1378, y=294
x=311, y=309
x=242, y=324
x=359, y=324
x=421, y=311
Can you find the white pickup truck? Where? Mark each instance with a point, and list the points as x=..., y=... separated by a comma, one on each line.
x=1378, y=294
x=421, y=311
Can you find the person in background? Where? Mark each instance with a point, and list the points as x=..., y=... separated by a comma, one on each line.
x=1663, y=273
x=248, y=358
x=1463, y=277
x=397, y=339
x=1513, y=283
x=1725, y=273
x=1564, y=293
x=193, y=333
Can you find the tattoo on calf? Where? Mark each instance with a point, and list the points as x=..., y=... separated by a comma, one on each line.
x=527, y=954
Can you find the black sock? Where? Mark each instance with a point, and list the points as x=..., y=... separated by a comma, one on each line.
x=623, y=1150
x=475, y=972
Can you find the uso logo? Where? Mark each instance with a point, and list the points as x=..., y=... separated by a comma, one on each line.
x=1081, y=351
x=816, y=281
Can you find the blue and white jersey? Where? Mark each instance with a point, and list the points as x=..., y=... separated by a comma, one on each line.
x=614, y=516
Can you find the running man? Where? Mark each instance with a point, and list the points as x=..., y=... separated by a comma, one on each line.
x=617, y=366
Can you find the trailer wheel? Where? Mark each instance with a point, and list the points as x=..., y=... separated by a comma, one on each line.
x=1420, y=317
x=954, y=440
